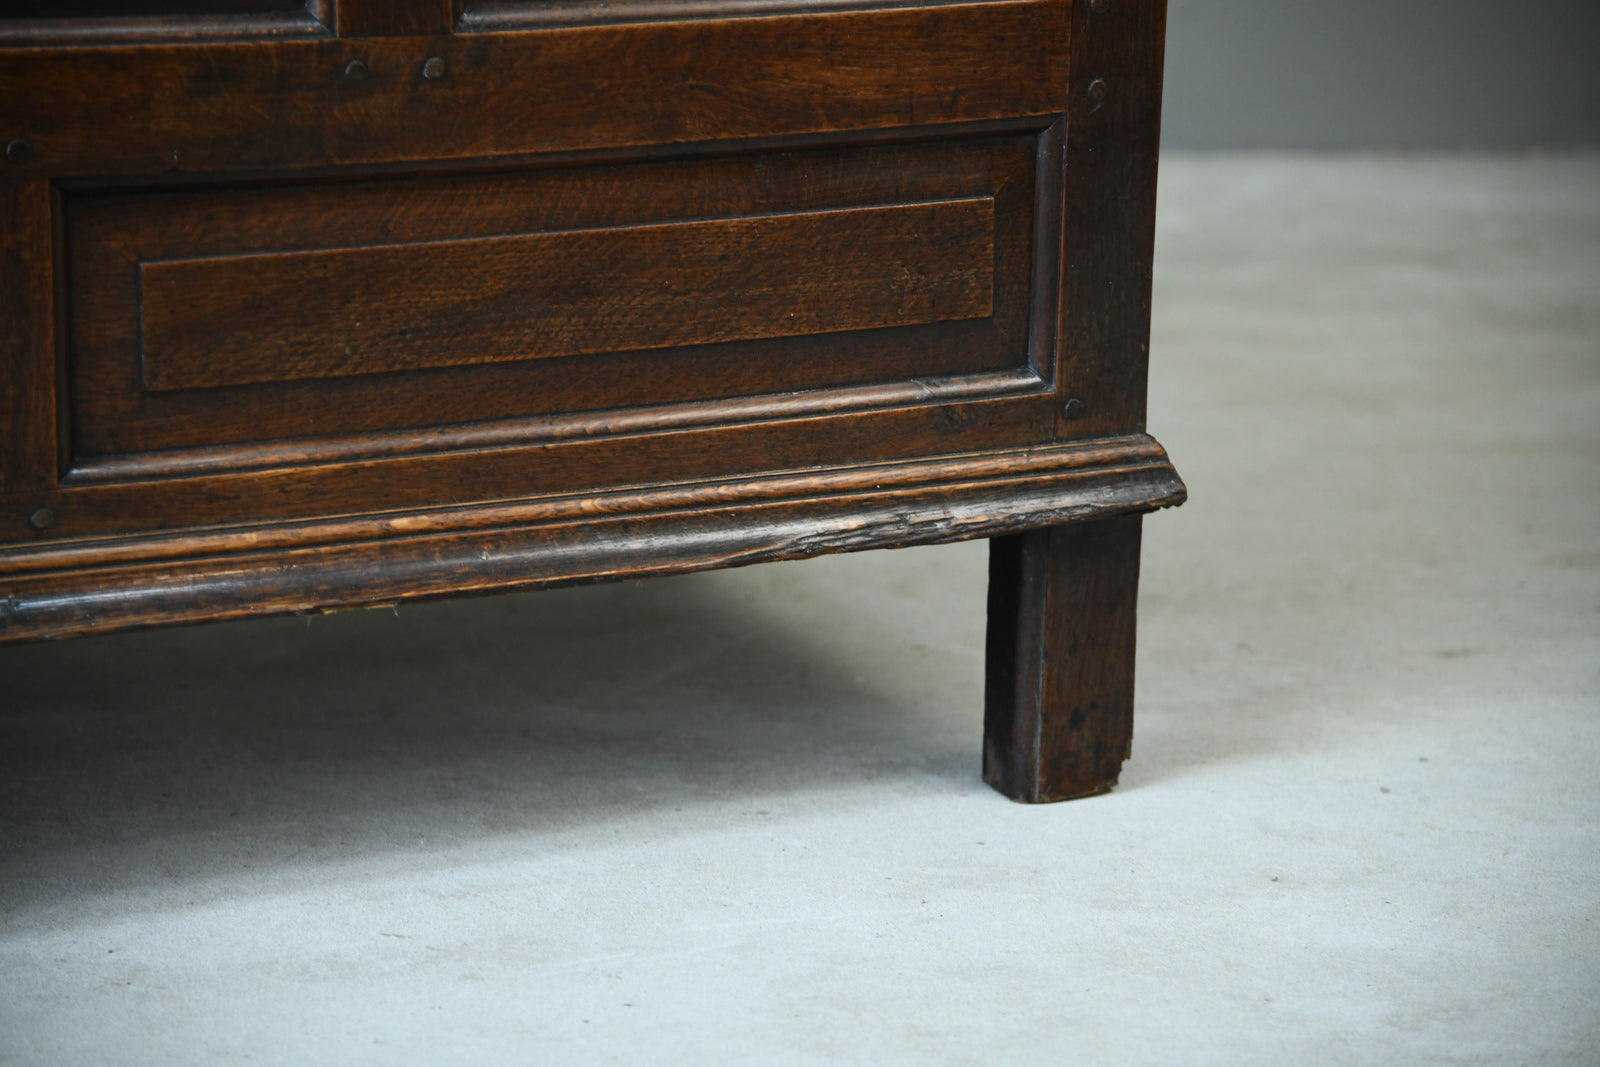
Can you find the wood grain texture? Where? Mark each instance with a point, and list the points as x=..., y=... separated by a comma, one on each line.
x=29, y=439
x=57, y=590
x=1109, y=221
x=289, y=104
x=111, y=232
x=1058, y=700
x=330, y=313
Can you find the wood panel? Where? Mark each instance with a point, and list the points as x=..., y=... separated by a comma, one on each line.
x=966, y=243
x=241, y=320
x=267, y=106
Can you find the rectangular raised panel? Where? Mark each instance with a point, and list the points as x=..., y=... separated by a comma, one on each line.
x=241, y=320
x=206, y=317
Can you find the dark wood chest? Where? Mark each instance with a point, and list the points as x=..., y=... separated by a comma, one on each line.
x=307, y=306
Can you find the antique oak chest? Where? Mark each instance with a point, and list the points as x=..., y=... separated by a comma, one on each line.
x=355, y=302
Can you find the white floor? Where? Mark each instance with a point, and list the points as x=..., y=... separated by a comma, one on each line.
x=736, y=818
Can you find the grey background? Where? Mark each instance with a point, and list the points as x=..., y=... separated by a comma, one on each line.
x=1424, y=74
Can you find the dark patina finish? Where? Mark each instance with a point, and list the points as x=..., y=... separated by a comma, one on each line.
x=367, y=301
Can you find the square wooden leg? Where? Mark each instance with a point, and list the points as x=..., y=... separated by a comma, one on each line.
x=1058, y=699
